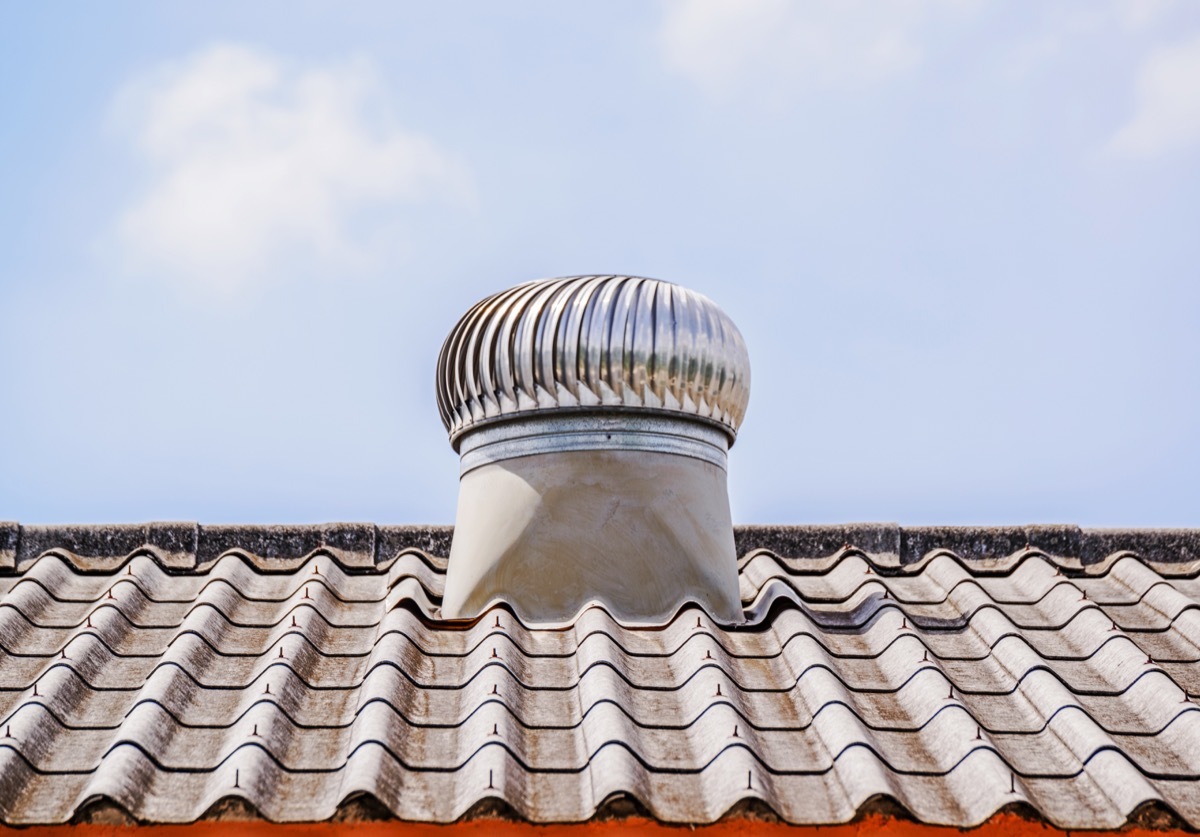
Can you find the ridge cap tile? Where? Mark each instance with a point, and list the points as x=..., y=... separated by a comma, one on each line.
x=363, y=546
x=10, y=536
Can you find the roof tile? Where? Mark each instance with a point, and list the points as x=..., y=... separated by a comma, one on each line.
x=300, y=667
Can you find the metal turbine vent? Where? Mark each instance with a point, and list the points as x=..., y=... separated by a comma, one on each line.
x=580, y=343
x=593, y=417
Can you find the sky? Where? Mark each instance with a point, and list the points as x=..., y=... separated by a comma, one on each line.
x=961, y=238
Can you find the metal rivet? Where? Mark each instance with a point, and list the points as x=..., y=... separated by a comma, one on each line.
x=497, y=625
x=294, y=625
x=978, y=733
x=718, y=694
x=237, y=775
x=267, y=690
x=708, y=655
x=7, y=731
x=316, y=569
x=951, y=695
x=306, y=591
x=925, y=656
x=904, y=624
x=493, y=654
x=494, y=691
x=255, y=732
x=35, y=691
x=697, y=621
x=495, y=729
x=1012, y=783
x=89, y=620
x=281, y=652
x=490, y=785
x=735, y=731
x=749, y=780
x=110, y=595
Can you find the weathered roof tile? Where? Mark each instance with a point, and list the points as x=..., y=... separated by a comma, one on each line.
x=297, y=668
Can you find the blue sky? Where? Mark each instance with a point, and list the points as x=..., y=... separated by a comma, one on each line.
x=961, y=238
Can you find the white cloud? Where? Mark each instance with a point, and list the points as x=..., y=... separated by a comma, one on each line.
x=1167, y=110
x=726, y=46
x=1140, y=14
x=256, y=166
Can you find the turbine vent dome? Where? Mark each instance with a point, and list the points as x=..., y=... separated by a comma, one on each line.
x=585, y=342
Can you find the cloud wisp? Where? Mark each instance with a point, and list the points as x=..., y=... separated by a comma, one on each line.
x=257, y=167
x=1166, y=114
x=731, y=46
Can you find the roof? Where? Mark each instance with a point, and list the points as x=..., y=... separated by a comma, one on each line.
x=170, y=668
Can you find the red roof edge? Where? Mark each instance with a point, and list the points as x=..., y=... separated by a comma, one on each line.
x=1004, y=824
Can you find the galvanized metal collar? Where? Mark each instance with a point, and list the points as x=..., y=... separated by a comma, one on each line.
x=552, y=433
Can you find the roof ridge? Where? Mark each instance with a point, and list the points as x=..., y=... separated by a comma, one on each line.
x=365, y=547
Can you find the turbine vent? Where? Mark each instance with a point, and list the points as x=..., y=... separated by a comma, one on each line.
x=593, y=341
x=593, y=417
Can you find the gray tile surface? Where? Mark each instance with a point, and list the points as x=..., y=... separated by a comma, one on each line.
x=955, y=686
